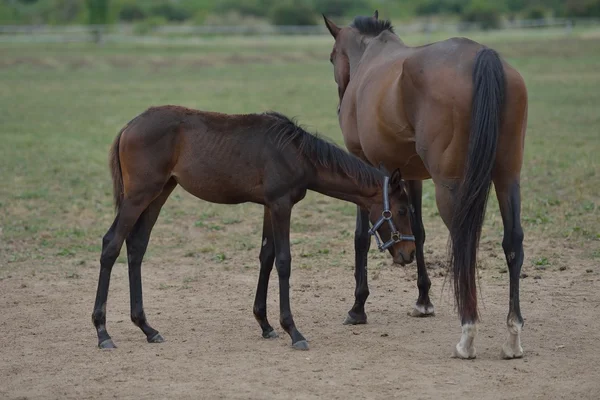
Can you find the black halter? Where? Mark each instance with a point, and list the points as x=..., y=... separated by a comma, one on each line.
x=386, y=215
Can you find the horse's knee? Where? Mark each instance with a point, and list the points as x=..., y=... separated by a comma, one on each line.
x=283, y=265
x=109, y=256
x=267, y=254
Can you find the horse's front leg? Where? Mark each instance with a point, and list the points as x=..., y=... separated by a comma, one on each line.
x=280, y=218
x=423, y=307
x=362, y=243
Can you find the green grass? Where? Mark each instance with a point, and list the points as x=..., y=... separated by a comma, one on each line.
x=62, y=105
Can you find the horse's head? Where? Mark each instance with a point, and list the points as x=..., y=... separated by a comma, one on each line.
x=350, y=43
x=391, y=220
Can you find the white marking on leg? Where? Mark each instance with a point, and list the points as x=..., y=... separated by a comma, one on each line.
x=512, y=347
x=264, y=242
x=422, y=311
x=465, y=348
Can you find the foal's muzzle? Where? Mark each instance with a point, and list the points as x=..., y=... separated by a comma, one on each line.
x=386, y=216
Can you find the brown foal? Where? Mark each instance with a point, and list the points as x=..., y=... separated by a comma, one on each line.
x=260, y=158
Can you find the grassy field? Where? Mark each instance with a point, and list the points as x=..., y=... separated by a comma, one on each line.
x=63, y=104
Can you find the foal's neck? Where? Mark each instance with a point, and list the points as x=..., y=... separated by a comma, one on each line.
x=337, y=184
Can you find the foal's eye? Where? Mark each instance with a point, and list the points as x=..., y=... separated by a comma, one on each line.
x=403, y=211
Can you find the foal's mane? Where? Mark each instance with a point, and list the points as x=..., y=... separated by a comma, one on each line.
x=371, y=26
x=319, y=151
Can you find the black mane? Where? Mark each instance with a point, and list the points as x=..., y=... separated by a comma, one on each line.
x=371, y=26
x=320, y=151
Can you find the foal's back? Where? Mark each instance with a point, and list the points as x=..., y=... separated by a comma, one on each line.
x=220, y=158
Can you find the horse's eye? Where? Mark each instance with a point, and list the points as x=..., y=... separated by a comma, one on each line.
x=403, y=211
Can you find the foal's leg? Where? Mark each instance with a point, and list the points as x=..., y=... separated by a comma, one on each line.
x=137, y=243
x=267, y=257
x=423, y=308
x=280, y=216
x=509, y=199
x=362, y=243
x=112, y=242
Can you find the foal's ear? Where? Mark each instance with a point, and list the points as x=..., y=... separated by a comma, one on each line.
x=376, y=15
x=333, y=28
x=396, y=178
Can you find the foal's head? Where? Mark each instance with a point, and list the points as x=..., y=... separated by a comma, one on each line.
x=402, y=251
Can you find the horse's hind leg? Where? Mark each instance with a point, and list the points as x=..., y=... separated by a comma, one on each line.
x=281, y=214
x=509, y=199
x=127, y=216
x=267, y=258
x=423, y=307
x=444, y=196
x=137, y=243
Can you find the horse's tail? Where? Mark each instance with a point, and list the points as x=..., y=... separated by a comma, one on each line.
x=470, y=204
x=115, y=168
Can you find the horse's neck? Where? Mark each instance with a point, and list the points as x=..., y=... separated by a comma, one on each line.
x=385, y=44
x=344, y=187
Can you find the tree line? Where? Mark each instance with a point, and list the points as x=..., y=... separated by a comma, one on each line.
x=282, y=12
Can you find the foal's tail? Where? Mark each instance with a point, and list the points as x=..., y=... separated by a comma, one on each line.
x=470, y=204
x=115, y=168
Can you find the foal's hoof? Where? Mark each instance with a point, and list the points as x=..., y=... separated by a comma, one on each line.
x=358, y=320
x=270, y=334
x=156, y=339
x=107, y=344
x=420, y=311
x=300, y=345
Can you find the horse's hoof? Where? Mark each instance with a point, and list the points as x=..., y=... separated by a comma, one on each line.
x=355, y=321
x=508, y=353
x=107, y=344
x=420, y=311
x=464, y=353
x=156, y=339
x=300, y=345
x=270, y=335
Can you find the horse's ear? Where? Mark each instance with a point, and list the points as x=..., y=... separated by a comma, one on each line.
x=376, y=15
x=333, y=28
x=396, y=178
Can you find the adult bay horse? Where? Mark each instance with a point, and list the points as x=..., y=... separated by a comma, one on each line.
x=261, y=158
x=452, y=111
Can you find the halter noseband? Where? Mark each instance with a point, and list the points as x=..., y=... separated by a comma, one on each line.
x=386, y=215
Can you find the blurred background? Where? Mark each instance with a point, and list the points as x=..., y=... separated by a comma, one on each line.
x=122, y=19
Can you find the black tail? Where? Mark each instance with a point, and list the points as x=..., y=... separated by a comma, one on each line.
x=114, y=164
x=470, y=204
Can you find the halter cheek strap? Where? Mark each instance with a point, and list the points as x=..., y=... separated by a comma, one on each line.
x=386, y=216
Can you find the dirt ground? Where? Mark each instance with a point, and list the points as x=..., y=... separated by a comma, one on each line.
x=213, y=347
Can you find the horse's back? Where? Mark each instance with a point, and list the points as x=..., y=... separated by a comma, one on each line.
x=214, y=156
x=438, y=80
